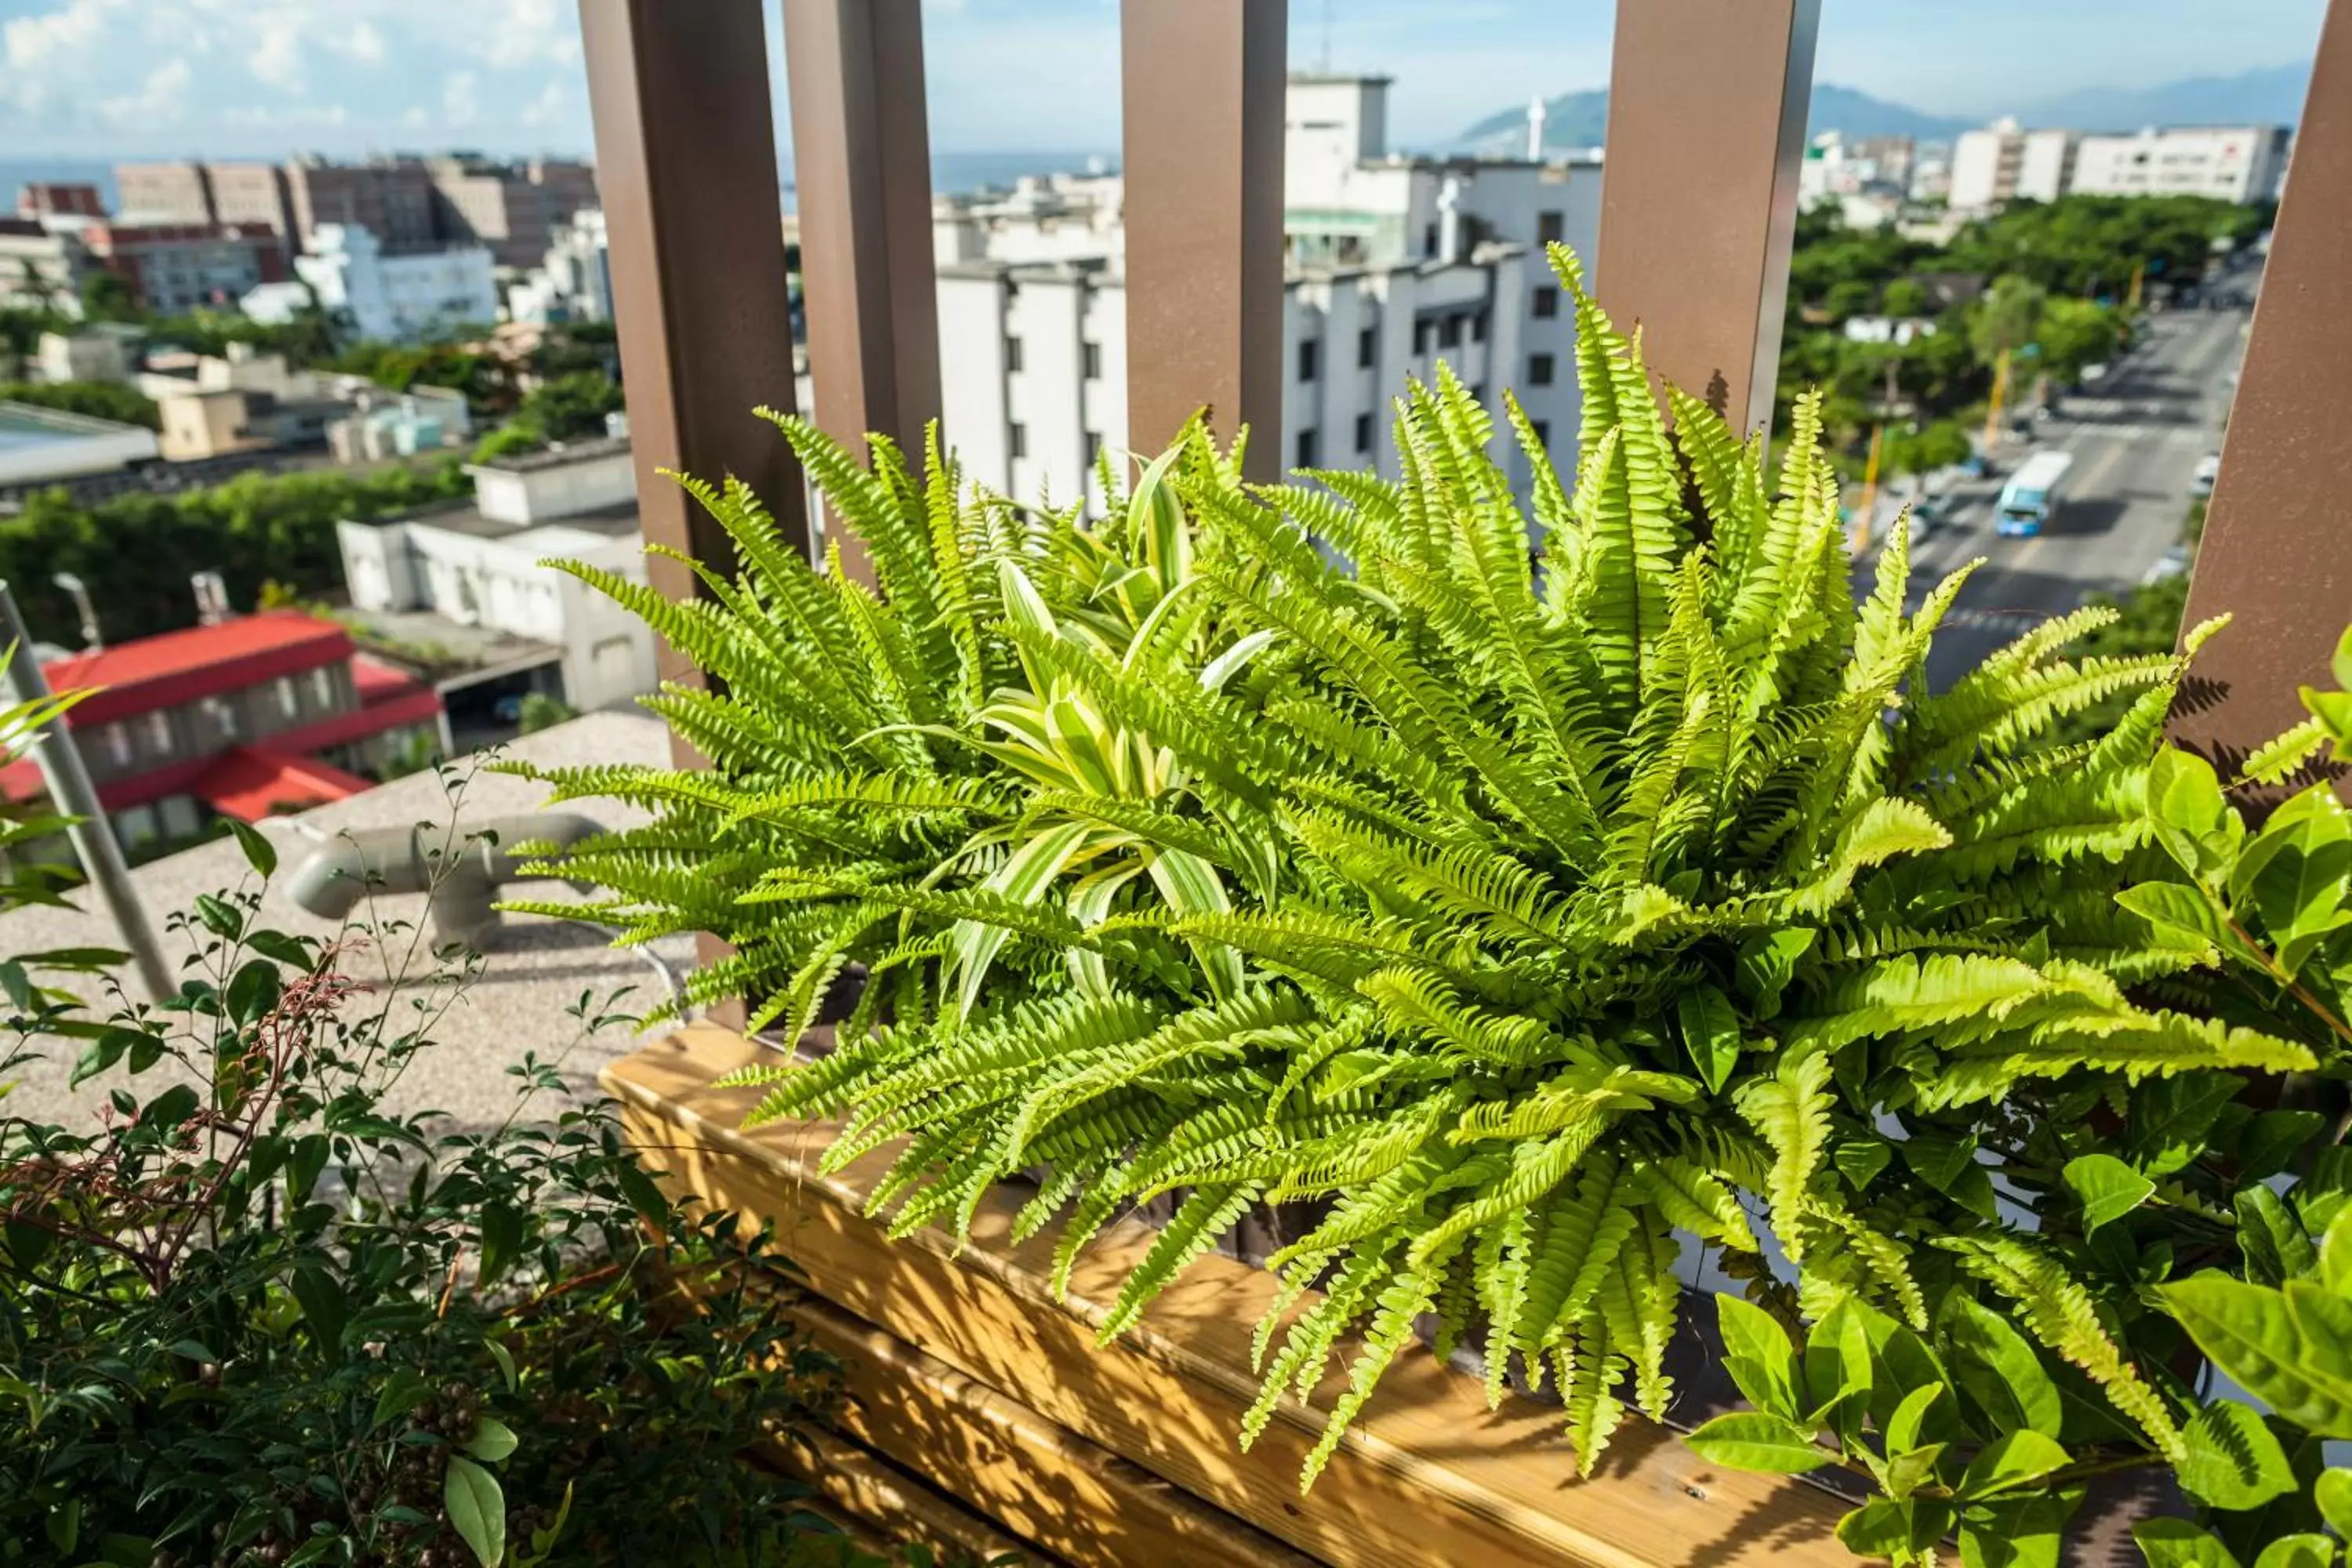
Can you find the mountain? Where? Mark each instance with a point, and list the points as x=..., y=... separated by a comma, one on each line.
x=2272, y=95
x=1575, y=119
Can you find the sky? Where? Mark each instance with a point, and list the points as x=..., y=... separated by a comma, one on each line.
x=98, y=79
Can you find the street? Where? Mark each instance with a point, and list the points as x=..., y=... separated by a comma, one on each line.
x=2136, y=437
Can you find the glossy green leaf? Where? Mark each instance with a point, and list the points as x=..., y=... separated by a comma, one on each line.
x=2271, y=1238
x=1756, y=1440
x=492, y=1440
x=1837, y=1367
x=2028, y=1530
x=2292, y=1349
x=2181, y=915
x=1757, y=1353
x=1902, y=1426
x=1710, y=1030
x=2109, y=1188
x=253, y=990
x=2306, y=1551
x=477, y=1509
x=1996, y=1367
x=324, y=1306
x=1882, y=1527
x=2017, y=1459
x=219, y=917
x=2271, y=1140
x=2193, y=819
x=1859, y=1162
x=259, y=853
x=2177, y=1543
x=2333, y=1493
x=2231, y=1459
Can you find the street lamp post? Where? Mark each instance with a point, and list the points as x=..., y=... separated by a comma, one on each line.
x=90, y=640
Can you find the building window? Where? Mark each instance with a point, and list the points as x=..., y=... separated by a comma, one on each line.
x=1449, y=336
x=1543, y=434
x=1550, y=228
x=115, y=741
x=1478, y=328
x=1368, y=349
x=1424, y=333
x=1309, y=449
x=1013, y=353
x=1429, y=240
x=1363, y=433
x=289, y=697
x=1017, y=443
x=135, y=825
x=159, y=733
x=1477, y=392
x=1546, y=304
x=178, y=818
x=1311, y=359
x=1090, y=361
x=322, y=685
x=1094, y=446
x=1539, y=369
x=223, y=715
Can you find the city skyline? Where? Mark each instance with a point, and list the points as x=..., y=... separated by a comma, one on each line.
x=107, y=79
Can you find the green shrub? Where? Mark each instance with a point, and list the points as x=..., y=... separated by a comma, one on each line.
x=255, y=1317
x=98, y=399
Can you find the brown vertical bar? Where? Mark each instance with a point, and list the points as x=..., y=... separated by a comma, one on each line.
x=686, y=163
x=686, y=156
x=862, y=170
x=1698, y=198
x=1203, y=84
x=2277, y=552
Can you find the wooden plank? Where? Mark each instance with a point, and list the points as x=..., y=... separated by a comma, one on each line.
x=1429, y=1476
x=880, y=1508
x=1036, y=1478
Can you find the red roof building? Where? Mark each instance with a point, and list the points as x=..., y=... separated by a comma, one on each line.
x=266, y=713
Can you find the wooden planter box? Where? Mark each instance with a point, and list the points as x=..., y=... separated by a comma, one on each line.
x=966, y=1372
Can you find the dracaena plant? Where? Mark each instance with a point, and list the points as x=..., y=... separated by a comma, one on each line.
x=903, y=777
x=1627, y=887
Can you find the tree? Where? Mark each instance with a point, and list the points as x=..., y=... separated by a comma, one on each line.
x=2076, y=334
x=107, y=297
x=2006, y=317
x=1906, y=299
x=543, y=712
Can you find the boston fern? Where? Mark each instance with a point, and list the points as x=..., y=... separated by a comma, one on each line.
x=1581, y=900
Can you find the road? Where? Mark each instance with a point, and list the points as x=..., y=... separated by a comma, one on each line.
x=2137, y=437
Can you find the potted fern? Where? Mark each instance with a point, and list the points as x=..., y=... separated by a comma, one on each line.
x=1573, y=907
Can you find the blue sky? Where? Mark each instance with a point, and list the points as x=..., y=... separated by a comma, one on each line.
x=86, y=79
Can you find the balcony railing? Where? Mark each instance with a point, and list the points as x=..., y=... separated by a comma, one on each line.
x=1705, y=132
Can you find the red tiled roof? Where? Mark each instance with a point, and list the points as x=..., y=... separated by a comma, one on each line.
x=378, y=681
x=253, y=782
x=178, y=667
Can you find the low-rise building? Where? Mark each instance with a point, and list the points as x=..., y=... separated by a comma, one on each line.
x=40, y=199
x=42, y=446
x=396, y=297
x=174, y=268
x=250, y=715
x=456, y=592
x=99, y=351
x=382, y=424
x=40, y=270
x=574, y=281
x=2230, y=163
x=2003, y=163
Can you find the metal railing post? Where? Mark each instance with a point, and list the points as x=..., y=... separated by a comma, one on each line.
x=862, y=172
x=2276, y=552
x=1203, y=83
x=1698, y=196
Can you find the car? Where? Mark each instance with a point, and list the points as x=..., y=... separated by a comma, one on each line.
x=2209, y=468
x=2174, y=563
x=1929, y=514
x=507, y=710
x=1974, y=466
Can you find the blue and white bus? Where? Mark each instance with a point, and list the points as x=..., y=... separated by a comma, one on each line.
x=2032, y=497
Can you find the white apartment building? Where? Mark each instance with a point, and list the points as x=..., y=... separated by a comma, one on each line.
x=575, y=281
x=475, y=568
x=1033, y=360
x=2230, y=163
x=396, y=297
x=1393, y=264
x=2003, y=163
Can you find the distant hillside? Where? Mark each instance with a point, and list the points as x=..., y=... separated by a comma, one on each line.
x=1576, y=119
x=2270, y=95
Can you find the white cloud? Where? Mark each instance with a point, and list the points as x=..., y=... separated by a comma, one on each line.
x=161, y=100
x=33, y=42
x=277, y=57
x=459, y=98
x=552, y=106
x=364, y=43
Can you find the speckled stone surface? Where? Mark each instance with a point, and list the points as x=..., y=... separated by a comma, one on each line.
x=534, y=973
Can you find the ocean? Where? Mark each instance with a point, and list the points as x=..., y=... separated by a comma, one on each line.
x=955, y=174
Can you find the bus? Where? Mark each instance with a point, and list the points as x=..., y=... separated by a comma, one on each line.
x=2032, y=497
